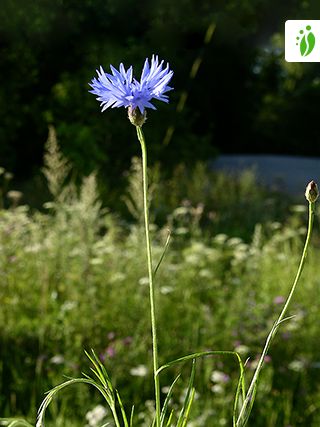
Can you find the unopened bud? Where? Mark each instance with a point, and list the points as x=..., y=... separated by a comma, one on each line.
x=136, y=117
x=312, y=192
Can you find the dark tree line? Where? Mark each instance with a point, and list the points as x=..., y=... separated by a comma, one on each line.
x=233, y=90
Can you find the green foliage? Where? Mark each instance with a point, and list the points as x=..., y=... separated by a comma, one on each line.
x=101, y=381
x=73, y=276
x=233, y=90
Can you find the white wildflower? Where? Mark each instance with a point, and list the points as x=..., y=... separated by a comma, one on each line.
x=242, y=349
x=57, y=359
x=144, y=281
x=166, y=290
x=219, y=377
x=296, y=366
x=96, y=415
x=139, y=371
x=217, y=388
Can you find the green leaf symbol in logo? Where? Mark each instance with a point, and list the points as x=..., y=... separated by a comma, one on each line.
x=307, y=42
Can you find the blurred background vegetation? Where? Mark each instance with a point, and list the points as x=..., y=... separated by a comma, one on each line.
x=72, y=272
x=233, y=90
x=73, y=277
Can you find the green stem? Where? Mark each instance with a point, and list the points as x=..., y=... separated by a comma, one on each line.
x=150, y=273
x=248, y=402
x=115, y=416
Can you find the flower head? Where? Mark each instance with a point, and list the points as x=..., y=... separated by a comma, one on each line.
x=121, y=89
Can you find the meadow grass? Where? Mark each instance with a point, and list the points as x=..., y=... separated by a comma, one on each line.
x=74, y=278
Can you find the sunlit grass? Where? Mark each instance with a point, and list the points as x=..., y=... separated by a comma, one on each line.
x=73, y=277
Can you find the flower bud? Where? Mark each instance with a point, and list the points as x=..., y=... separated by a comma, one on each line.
x=312, y=192
x=136, y=117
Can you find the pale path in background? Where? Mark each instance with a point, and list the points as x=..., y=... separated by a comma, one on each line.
x=287, y=173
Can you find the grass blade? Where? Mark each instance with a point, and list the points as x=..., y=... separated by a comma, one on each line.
x=186, y=415
x=241, y=388
x=47, y=400
x=166, y=402
x=170, y=418
x=100, y=371
x=163, y=253
x=131, y=416
x=200, y=354
x=15, y=422
x=250, y=396
x=123, y=413
x=188, y=398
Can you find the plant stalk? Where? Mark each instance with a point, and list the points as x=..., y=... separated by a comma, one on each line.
x=150, y=273
x=248, y=402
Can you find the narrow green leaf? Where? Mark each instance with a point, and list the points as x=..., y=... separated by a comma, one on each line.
x=242, y=421
x=163, y=253
x=47, y=400
x=131, y=416
x=186, y=402
x=240, y=390
x=123, y=413
x=99, y=376
x=166, y=402
x=286, y=319
x=15, y=422
x=100, y=372
x=103, y=370
x=96, y=370
x=170, y=418
x=200, y=354
x=241, y=383
x=186, y=415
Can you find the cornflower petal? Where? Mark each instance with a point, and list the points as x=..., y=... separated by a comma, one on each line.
x=121, y=89
x=146, y=70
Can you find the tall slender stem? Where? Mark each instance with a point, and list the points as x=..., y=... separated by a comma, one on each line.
x=115, y=416
x=243, y=415
x=150, y=272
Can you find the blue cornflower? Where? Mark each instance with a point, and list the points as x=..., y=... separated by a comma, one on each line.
x=113, y=90
x=120, y=89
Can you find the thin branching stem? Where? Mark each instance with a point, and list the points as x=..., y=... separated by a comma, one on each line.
x=150, y=272
x=248, y=402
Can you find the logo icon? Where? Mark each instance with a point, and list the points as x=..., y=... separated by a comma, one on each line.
x=302, y=40
x=306, y=40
